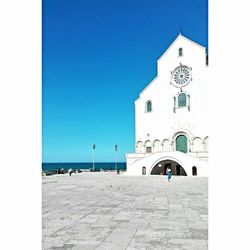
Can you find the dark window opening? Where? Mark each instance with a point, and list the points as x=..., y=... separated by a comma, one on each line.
x=149, y=106
x=180, y=52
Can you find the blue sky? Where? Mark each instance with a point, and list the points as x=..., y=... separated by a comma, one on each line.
x=97, y=57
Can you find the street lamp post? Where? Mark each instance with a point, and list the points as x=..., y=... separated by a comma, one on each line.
x=116, y=147
x=93, y=157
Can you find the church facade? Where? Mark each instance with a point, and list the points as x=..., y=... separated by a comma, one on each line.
x=171, y=115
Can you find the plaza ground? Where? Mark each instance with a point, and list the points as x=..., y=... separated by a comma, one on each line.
x=105, y=211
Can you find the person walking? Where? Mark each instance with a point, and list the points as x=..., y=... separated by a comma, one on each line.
x=169, y=174
x=70, y=171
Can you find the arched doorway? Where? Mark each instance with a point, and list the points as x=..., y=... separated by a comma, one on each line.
x=194, y=170
x=161, y=168
x=181, y=143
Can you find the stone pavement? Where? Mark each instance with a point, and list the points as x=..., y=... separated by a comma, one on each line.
x=105, y=211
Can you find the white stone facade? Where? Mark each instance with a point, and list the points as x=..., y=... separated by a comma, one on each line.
x=171, y=113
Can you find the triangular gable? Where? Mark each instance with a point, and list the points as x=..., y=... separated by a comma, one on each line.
x=177, y=38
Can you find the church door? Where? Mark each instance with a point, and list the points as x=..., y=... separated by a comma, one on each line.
x=181, y=143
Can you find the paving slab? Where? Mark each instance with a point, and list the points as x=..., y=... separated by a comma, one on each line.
x=105, y=211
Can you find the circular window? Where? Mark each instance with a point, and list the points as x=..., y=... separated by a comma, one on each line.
x=181, y=76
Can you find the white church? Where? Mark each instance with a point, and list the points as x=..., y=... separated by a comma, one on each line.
x=171, y=115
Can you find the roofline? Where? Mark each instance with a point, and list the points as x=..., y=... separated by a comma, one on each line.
x=146, y=88
x=180, y=35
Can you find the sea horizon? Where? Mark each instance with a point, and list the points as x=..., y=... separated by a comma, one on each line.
x=48, y=166
x=84, y=162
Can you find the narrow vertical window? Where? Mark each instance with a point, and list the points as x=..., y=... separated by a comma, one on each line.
x=182, y=100
x=148, y=106
x=180, y=52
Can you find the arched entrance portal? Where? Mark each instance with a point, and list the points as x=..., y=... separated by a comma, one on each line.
x=161, y=168
x=181, y=143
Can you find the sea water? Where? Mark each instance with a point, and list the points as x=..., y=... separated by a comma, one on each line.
x=84, y=165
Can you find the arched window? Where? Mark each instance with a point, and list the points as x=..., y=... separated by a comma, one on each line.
x=139, y=147
x=166, y=145
x=143, y=170
x=148, y=146
x=182, y=100
x=181, y=143
x=148, y=106
x=197, y=145
x=157, y=146
x=180, y=52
